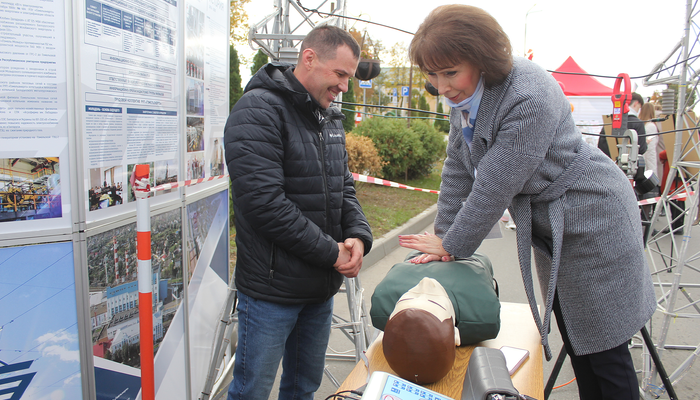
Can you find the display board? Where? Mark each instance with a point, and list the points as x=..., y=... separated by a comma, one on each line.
x=112, y=275
x=88, y=90
x=34, y=110
x=38, y=323
x=207, y=246
x=129, y=98
x=207, y=86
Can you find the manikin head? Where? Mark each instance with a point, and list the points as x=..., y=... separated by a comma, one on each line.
x=420, y=336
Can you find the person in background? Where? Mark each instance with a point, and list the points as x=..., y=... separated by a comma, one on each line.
x=651, y=157
x=660, y=144
x=513, y=143
x=300, y=228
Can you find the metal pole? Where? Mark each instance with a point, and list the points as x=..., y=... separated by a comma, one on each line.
x=364, y=101
x=145, y=284
x=410, y=89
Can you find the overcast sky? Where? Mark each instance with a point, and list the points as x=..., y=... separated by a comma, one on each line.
x=605, y=37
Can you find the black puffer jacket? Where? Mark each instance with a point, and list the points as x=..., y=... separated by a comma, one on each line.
x=293, y=195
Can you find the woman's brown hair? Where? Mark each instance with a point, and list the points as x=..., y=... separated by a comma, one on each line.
x=456, y=33
x=647, y=112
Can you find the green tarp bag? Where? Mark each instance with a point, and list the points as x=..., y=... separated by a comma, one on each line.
x=469, y=283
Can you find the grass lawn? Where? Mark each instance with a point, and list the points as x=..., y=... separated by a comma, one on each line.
x=386, y=207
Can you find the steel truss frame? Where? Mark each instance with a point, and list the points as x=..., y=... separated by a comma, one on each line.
x=672, y=262
x=279, y=33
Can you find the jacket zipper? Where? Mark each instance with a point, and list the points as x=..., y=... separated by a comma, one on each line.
x=272, y=262
x=325, y=178
x=328, y=205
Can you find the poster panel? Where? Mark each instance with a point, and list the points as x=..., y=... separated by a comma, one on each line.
x=39, y=349
x=206, y=91
x=207, y=246
x=34, y=111
x=129, y=98
x=112, y=276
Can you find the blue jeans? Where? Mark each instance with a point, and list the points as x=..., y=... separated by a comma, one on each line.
x=266, y=332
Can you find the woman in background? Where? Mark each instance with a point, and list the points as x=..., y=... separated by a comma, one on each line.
x=513, y=144
x=651, y=156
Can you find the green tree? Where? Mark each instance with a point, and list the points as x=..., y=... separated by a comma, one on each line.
x=422, y=105
x=235, y=91
x=369, y=48
x=348, y=110
x=442, y=124
x=259, y=61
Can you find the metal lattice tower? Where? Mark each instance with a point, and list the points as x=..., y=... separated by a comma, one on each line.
x=675, y=270
x=279, y=33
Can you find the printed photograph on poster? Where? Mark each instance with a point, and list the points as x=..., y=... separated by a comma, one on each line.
x=106, y=187
x=130, y=182
x=112, y=274
x=39, y=349
x=195, y=134
x=195, y=165
x=30, y=188
x=195, y=97
x=195, y=47
x=217, y=163
x=148, y=29
x=165, y=172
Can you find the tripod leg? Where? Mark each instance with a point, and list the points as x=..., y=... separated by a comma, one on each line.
x=659, y=366
x=555, y=373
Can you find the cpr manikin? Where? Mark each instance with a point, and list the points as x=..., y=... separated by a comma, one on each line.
x=420, y=337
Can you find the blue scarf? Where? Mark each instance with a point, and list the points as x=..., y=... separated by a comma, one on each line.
x=469, y=108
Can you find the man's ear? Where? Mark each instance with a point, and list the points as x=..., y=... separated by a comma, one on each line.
x=308, y=56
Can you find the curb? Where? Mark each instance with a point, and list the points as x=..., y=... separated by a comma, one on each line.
x=390, y=241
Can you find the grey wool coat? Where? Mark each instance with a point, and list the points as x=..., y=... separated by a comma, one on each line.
x=570, y=203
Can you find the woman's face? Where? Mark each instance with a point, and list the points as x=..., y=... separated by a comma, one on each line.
x=456, y=83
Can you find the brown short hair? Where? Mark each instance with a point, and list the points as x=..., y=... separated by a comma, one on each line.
x=456, y=33
x=325, y=40
x=638, y=98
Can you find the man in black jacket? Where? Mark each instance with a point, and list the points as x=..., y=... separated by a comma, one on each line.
x=299, y=226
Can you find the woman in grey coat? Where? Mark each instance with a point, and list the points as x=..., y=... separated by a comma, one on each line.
x=513, y=144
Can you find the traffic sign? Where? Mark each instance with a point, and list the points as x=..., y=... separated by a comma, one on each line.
x=366, y=84
x=395, y=92
x=404, y=90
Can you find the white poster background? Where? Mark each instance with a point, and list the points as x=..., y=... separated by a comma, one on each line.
x=129, y=98
x=33, y=99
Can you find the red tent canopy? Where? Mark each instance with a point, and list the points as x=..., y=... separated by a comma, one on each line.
x=579, y=85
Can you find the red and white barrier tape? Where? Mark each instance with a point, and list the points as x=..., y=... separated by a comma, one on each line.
x=377, y=181
x=679, y=196
x=189, y=182
x=357, y=177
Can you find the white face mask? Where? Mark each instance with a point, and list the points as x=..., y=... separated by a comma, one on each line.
x=428, y=295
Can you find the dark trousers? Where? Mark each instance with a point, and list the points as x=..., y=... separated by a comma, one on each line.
x=606, y=375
